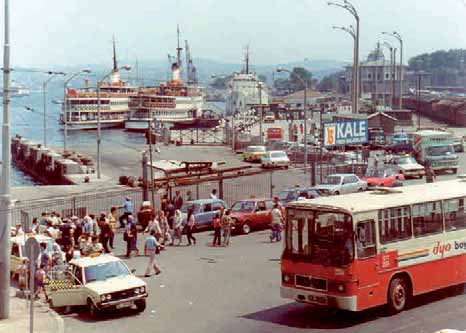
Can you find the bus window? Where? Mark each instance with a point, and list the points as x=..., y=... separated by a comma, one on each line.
x=365, y=239
x=394, y=224
x=427, y=218
x=455, y=214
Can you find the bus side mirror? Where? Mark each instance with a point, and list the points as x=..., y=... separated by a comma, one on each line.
x=133, y=270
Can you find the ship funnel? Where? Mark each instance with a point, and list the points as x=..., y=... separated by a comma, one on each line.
x=176, y=76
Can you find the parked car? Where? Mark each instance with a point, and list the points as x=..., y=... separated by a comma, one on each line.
x=408, y=166
x=254, y=153
x=251, y=214
x=269, y=117
x=293, y=193
x=458, y=145
x=204, y=211
x=386, y=177
x=342, y=184
x=275, y=158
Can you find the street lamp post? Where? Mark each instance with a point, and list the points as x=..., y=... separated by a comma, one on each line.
x=400, y=70
x=352, y=33
x=348, y=6
x=304, y=82
x=99, y=157
x=65, y=106
x=390, y=48
x=44, y=92
x=261, y=115
x=5, y=206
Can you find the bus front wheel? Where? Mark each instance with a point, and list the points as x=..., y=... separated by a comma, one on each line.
x=398, y=294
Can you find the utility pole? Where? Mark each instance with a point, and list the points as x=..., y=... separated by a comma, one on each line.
x=394, y=78
x=5, y=198
x=44, y=93
x=400, y=70
x=354, y=100
x=305, y=85
x=259, y=86
x=151, y=164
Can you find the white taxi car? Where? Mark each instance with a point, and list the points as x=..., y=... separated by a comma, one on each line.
x=18, y=251
x=274, y=159
x=98, y=282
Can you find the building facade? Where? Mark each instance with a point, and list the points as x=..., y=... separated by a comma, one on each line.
x=379, y=79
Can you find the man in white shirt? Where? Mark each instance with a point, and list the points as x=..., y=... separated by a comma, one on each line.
x=213, y=194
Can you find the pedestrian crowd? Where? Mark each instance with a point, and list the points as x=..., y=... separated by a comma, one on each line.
x=73, y=237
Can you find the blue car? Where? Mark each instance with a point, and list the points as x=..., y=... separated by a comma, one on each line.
x=204, y=211
x=293, y=193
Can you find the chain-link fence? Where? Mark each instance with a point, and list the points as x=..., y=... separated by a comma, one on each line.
x=261, y=185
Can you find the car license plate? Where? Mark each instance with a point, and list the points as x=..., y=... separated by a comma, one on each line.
x=317, y=299
x=124, y=305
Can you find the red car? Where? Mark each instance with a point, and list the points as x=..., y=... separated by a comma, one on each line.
x=251, y=214
x=384, y=177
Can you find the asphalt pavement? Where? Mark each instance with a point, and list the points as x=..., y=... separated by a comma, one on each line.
x=236, y=289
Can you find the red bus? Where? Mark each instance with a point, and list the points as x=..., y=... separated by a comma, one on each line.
x=363, y=250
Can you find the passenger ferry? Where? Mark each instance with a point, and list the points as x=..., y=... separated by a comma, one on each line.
x=80, y=105
x=171, y=103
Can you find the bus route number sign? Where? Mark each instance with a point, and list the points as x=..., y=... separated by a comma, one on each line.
x=343, y=133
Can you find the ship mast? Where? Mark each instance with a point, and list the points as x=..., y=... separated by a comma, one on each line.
x=188, y=62
x=115, y=65
x=178, y=49
x=246, y=59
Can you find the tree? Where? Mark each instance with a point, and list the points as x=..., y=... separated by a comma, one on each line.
x=296, y=74
x=330, y=82
x=221, y=82
x=447, y=67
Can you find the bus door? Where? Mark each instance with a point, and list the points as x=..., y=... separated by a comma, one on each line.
x=367, y=265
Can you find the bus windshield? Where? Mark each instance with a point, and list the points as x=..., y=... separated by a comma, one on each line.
x=321, y=237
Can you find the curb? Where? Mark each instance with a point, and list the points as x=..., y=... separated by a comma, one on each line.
x=58, y=321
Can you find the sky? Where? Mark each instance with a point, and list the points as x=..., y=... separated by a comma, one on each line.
x=74, y=32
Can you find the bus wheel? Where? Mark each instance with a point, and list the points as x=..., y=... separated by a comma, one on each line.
x=398, y=294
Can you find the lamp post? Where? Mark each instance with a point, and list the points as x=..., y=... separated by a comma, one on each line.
x=261, y=116
x=348, y=6
x=350, y=30
x=304, y=82
x=44, y=92
x=65, y=105
x=390, y=48
x=400, y=71
x=99, y=158
x=5, y=199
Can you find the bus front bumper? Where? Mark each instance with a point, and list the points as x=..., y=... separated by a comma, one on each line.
x=306, y=296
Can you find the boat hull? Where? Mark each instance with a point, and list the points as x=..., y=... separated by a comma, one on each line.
x=92, y=125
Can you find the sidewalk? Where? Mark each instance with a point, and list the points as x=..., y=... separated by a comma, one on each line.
x=45, y=320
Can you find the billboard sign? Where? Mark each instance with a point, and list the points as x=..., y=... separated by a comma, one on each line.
x=341, y=133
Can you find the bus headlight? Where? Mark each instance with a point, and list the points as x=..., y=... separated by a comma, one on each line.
x=286, y=278
x=103, y=298
x=109, y=297
x=136, y=291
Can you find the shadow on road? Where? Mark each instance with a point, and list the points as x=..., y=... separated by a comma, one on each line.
x=299, y=315
x=81, y=314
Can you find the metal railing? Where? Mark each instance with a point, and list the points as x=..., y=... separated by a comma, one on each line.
x=262, y=185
